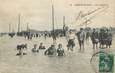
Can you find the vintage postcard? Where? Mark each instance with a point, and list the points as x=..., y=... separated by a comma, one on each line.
x=57, y=36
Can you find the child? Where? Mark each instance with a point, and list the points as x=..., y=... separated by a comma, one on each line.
x=35, y=48
x=60, y=50
x=41, y=46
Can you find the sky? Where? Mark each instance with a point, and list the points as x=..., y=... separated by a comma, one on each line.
x=37, y=14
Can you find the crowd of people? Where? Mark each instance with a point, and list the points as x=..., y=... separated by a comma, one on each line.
x=101, y=38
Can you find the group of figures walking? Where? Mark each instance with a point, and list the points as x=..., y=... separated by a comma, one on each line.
x=101, y=37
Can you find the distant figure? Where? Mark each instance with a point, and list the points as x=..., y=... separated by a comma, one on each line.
x=60, y=50
x=41, y=46
x=22, y=49
x=81, y=38
x=71, y=43
x=51, y=51
x=28, y=35
x=31, y=36
x=11, y=34
x=45, y=35
x=67, y=33
x=36, y=35
x=108, y=38
x=34, y=49
x=95, y=38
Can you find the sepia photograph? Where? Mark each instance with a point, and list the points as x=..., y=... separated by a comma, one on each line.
x=57, y=36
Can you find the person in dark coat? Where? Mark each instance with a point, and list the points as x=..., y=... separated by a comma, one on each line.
x=108, y=38
x=102, y=38
x=81, y=38
x=95, y=38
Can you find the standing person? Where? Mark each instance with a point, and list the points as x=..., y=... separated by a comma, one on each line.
x=67, y=33
x=60, y=50
x=81, y=37
x=71, y=43
x=28, y=35
x=25, y=35
x=102, y=37
x=31, y=36
x=87, y=36
x=51, y=51
x=36, y=35
x=95, y=38
x=45, y=35
x=108, y=39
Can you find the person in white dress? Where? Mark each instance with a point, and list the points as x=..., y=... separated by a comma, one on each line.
x=71, y=43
